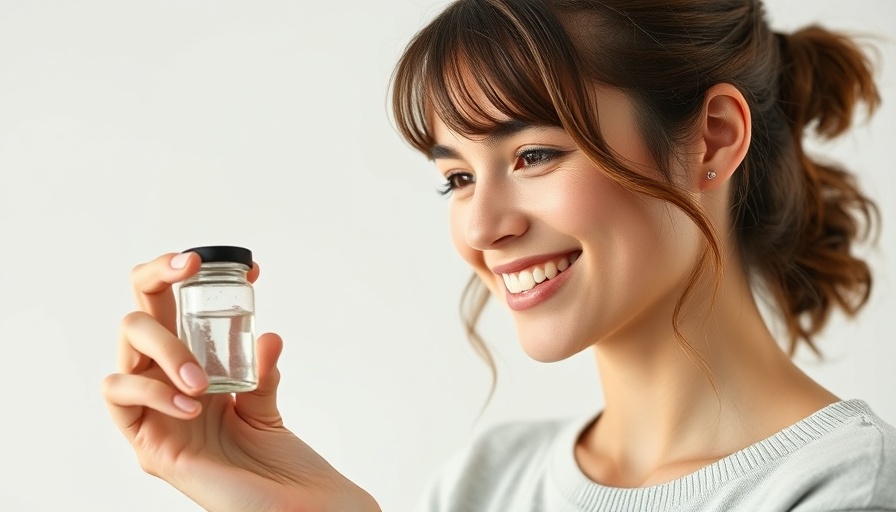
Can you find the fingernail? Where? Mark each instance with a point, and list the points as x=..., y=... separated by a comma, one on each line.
x=180, y=261
x=185, y=403
x=193, y=376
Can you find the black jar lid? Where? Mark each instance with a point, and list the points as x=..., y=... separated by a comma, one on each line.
x=223, y=254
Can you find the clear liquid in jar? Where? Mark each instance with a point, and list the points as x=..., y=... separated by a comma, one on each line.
x=224, y=345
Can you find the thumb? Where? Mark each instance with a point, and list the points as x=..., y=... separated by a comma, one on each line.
x=260, y=405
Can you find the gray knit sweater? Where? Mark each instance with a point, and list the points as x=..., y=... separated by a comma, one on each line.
x=841, y=458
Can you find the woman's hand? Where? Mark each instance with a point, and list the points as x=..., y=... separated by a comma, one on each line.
x=225, y=453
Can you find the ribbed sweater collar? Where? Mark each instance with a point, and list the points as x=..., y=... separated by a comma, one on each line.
x=585, y=494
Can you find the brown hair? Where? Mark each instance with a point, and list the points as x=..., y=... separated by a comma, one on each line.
x=795, y=218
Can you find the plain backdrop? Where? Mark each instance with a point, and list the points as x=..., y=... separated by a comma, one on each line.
x=133, y=128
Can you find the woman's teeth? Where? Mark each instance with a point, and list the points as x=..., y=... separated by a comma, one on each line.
x=527, y=279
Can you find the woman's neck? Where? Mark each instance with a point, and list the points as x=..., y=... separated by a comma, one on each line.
x=668, y=414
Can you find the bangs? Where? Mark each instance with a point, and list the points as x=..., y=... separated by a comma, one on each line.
x=478, y=65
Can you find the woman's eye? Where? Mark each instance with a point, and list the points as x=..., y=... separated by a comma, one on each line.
x=534, y=157
x=456, y=181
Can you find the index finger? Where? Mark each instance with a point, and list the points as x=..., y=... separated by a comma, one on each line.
x=151, y=282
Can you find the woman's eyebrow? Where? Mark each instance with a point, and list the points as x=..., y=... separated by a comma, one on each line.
x=439, y=151
x=507, y=129
x=502, y=131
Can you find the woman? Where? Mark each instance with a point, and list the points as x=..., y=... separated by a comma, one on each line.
x=623, y=175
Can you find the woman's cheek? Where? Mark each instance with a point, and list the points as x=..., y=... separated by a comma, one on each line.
x=578, y=204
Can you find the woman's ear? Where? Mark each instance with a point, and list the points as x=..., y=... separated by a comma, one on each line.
x=723, y=138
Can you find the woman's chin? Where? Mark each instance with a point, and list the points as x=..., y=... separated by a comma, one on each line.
x=548, y=347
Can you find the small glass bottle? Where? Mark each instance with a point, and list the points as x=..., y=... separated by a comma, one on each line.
x=217, y=318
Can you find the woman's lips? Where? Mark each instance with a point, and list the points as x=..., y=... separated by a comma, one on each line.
x=532, y=276
x=537, y=283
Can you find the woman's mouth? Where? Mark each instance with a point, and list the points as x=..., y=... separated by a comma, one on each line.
x=527, y=279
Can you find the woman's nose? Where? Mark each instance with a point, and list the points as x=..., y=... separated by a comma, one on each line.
x=495, y=216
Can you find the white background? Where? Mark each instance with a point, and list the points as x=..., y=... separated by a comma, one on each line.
x=130, y=129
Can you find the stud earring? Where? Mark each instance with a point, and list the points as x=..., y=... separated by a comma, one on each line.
x=710, y=175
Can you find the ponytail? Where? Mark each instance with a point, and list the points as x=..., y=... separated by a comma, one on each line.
x=808, y=265
x=824, y=77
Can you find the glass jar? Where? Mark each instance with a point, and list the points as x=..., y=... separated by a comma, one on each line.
x=217, y=318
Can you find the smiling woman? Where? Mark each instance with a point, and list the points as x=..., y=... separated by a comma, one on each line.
x=627, y=177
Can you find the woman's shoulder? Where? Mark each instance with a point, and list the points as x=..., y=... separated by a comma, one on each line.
x=511, y=444
x=847, y=433
x=501, y=457
x=840, y=458
x=514, y=439
x=854, y=461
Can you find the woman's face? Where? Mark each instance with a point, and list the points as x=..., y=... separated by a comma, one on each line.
x=577, y=258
